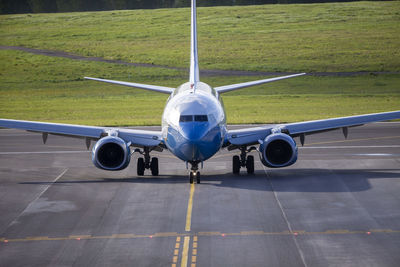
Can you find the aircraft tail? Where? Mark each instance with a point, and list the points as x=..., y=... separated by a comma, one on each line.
x=194, y=77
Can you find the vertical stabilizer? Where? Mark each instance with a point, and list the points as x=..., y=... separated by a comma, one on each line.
x=194, y=77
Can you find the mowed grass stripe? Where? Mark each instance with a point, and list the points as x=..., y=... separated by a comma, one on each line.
x=357, y=36
x=42, y=88
x=321, y=37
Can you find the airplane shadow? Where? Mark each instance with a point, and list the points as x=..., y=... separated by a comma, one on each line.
x=279, y=180
x=306, y=180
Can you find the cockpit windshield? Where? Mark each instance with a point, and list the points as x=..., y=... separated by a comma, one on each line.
x=200, y=118
x=186, y=118
x=189, y=118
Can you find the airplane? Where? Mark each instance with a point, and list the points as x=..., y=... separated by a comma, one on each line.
x=194, y=128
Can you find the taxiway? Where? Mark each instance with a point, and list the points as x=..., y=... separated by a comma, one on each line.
x=339, y=205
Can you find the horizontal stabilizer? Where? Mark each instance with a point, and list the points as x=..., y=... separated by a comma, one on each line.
x=227, y=88
x=160, y=89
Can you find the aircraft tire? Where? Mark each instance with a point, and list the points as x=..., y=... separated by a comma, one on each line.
x=250, y=164
x=235, y=164
x=191, y=177
x=198, y=177
x=140, y=167
x=154, y=166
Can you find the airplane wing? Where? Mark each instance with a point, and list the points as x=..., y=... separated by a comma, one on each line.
x=155, y=88
x=232, y=87
x=251, y=136
x=138, y=138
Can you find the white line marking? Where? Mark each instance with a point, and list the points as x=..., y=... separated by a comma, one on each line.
x=377, y=155
x=338, y=147
x=40, y=194
x=217, y=156
x=285, y=218
x=43, y=152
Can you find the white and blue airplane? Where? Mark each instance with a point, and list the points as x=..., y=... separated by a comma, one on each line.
x=194, y=128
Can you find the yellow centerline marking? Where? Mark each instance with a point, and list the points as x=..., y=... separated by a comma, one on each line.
x=186, y=237
x=189, y=209
x=185, y=251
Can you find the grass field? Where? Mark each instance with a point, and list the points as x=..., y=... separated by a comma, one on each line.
x=359, y=36
x=362, y=36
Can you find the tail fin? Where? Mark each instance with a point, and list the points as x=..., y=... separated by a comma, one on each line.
x=194, y=77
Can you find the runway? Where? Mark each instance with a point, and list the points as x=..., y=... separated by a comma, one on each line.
x=339, y=205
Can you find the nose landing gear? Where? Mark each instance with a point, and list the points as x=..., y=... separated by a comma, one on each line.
x=194, y=173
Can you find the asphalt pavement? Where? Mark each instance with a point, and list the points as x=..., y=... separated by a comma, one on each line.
x=339, y=205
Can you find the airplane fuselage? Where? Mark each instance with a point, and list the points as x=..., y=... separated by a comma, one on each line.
x=194, y=122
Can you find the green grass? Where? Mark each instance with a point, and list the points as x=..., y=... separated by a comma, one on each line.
x=50, y=89
x=358, y=36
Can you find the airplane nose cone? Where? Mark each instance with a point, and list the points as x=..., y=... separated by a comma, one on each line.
x=194, y=142
x=193, y=131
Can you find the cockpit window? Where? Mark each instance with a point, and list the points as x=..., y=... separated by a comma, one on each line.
x=200, y=118
x=186, y=118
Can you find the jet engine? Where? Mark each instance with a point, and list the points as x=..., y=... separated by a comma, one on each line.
x=111, y=153
x=278, y=150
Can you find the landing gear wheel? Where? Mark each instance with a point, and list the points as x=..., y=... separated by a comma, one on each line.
x=191, y=177
x=250, y=164
x=140, y=167
x=154, y=166
x=198, y=177
x=235, y=164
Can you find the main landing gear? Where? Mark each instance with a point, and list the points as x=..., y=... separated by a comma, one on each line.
x=243, y=161
x=146, y=162
x=194, y=173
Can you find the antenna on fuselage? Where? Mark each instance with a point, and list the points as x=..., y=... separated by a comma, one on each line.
x=194, y=77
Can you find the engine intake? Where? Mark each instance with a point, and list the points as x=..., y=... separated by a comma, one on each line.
x=278, y=150
x=111, y=153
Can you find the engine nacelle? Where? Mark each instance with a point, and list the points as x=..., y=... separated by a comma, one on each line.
x=278, y=150
x=111, y=153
